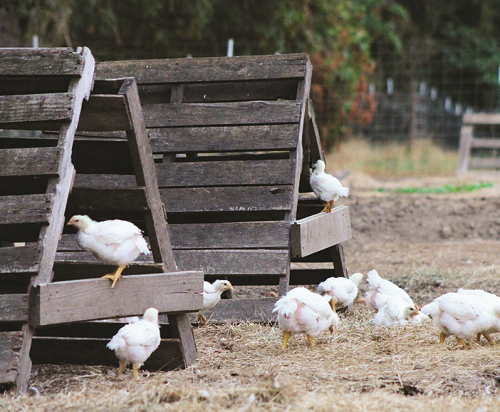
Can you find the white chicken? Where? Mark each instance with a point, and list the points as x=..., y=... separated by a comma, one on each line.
x=394, y=311
x=115, y=242
x=326, y=187
x=463, y=316
x=134, y=343
x=303, y=311
x=211, y=296
x=489, y=298
x=381, y=290
x=342, y=290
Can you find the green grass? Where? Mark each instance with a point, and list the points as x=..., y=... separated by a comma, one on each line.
x=439, y=190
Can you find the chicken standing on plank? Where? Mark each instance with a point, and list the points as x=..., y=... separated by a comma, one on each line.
x=463, y=316
x=326, y=187
x=342, y=290
x=303, y=311
x=135, y=342
x=211, y=296
x=115, y=242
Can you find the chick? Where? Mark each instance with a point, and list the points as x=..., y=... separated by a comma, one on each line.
x=342, y=290
x=211, y=296
x=115, y=242
x=394, y=311
x=134, y=343
x=326, y=187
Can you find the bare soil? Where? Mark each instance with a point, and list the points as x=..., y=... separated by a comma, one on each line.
x=428, y=244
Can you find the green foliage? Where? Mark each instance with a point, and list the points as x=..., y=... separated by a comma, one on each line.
x=441, y=190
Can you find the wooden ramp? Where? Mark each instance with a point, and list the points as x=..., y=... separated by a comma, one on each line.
x=48, y=286
x=478, y=150
x=233, y=141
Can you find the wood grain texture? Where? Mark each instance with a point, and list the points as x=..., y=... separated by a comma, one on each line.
x=93, y=351
x=74, y=301
x=242, y=310
x=237, y=235
x=10, y=345
x=30, y=161
x=208, y=69
x=466, y=137
x=24, y=209
x=227, y=199
x=38, y=62
x=225, y=173
x=317, y=232
x=14, y=308
x=223, y=138
x=19, y=259
x=481, y=118
x=35, y=108
x=218, y=114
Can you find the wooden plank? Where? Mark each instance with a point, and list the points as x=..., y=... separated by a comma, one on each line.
x=25, y=209
x=30, y=161
x=237, y=235
x=218, y=114
x=486, y=143
x=210, y=69
x=19, y=259
x=104, y=113
x=481, y=118
x=225, y=173
x=35, y=108
x=89, y=199
x=223, y=139
x=10, y=345
x=242, y=310
x=40, y=61
x=320, y=231
x=102, y=181
x=181, y=329
x=14, y=308
x=466, y=136
x=74, y=301
x=484, y=162
x=227, y=199
x=234, y=262
x=93, y=351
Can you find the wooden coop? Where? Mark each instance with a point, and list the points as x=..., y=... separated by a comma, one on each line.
x=233, y=140
x=478, y=150
x=51, y=294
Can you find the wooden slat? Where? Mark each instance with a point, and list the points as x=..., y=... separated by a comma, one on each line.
x=88, y=200
x=74, y=301
x=43, y=61
x=14, y=308
x=225, y=173
x=30, y=161
x=217, y=114
x=209, y=69
x=238, y=235
x=100, y=181
x=25, y=209
x=242, y=310
x=19, y=259
x=234, y=262
x=484, y=163
x=224, y=139
x=227, y=199
x=481, y=118
x=93, y=351
x=466, y=137
x=486, y=143
x=104, y=113
x=317, y=232
x=10, y=345
x=35, y=108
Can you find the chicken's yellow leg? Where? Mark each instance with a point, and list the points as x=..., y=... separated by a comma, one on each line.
x=310, y=339
x=442, y=337
x=136, y=371
x=286, y=336
x=331, y=206
x=116, y=275
x=332, y=304
x=325, y=209
x=201, y=320
x=461, y=341
x=488, y=338
x=122, y=367
x=478, y=337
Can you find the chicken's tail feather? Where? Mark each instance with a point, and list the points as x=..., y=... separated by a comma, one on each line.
x=116, y=343
x=285, y=306
x=373, y=278
x=142, y=245
x=344, y=192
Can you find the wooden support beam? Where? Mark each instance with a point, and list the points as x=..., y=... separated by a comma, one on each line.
x=10, y=346
x=74, y=301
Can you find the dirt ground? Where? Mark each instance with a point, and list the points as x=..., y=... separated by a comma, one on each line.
x=427, y=244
